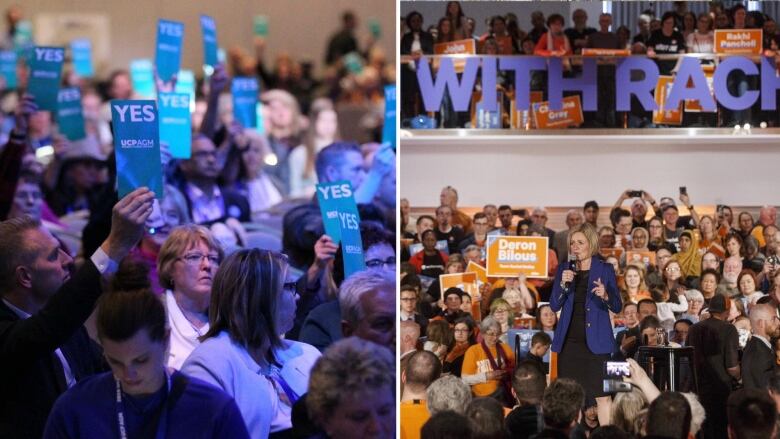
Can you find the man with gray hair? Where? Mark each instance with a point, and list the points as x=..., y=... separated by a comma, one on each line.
x=732, y=266
x=561, y=239
x=643, y=26
x=758, y=358
x=448, y=393
x=539, y=217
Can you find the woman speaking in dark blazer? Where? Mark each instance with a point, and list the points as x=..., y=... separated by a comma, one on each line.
x=585, y=291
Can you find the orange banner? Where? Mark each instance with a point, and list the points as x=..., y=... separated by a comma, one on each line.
x=465, y=281
x=478, y=270
x=520, y=116
x=645, y=258
x=605, y=52
x=508, y=256
x=739, y=41
x=458, y=47
x=570, y=115
x=607, y=252
x=664, y=116
x=505, y=46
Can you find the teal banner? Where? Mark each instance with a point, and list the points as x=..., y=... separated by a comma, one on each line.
x=185, y=83
x=8, y=69
x=70, y=118
x=342, y=222
x=244, y=91
x=137, y=146
x=260, y=128
x=81, y=52
x=260, y=27
x=142, y=75
x=168, y=56
x=23, y=39
x=209, y=28
x=388, y=130
x=45, y=71
x=175, y=123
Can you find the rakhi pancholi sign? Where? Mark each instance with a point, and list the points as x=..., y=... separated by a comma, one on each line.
x=690, y=82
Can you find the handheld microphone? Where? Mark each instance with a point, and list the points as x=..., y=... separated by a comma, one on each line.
x=572, y=267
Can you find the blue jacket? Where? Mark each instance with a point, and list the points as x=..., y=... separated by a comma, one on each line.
x=598, y=329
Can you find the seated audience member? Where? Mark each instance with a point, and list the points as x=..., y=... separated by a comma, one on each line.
x=77, y=178
x=439, y=338
x=422, y=369
x=487, y=418
x=546, y=319
x=627, y=341
x=758, y=358
x=410, y=335
x=131, y=326
x=188, y=261
x=452, y=302
x=669, y=416
x=463, y=333
x=528, y=384
x=540, y=345
x=244, y=352
x=351, y=390
x=488, y=366
x=447, y=425
x=429, y=261
x=448, y=393
x=479, y=236
x=680, y=331
x=251, y=181
x=408, y=312
x=43, y=343
x=695, y=304
x=561, y=405
x=751, y=414
x=207, y=201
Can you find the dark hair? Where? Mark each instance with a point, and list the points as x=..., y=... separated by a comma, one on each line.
x=121, y=314
x=650, y=301
x=667, y=15
x=411, y=15
x=669, y=416
x=453, y=290
x=422, y=217
x=686, y=321
x=747, y=272
x=589, y=204
x=371, y=233
x=539, y=315
x=422, y=369
x=648, y=322
x=468, y=321
x=734, y=235
x=332, y=154
x=446, y=425
x=487, y=418
x=752, y=414
x=562, y=402
x=408, y=287
x=541, y=337
x=479, y=215
x=711, y=271
x=555, y=17
x=528, y=382
x=245, y=296
x=13, y=249
x=608, y=432
x=627, y=304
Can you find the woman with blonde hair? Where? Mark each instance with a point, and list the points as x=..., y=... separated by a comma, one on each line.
x=501, y=312
x=323, y=130
x=625, y=409
x=634, y=286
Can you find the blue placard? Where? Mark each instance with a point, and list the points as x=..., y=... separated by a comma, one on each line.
x=342, y=222
x=168, y=55
x=209, y=29
x=388, y=130
x=81, y=52
x=142, y=76
x=244, y=91
x=185, y=83
x=175, y=123
x=23, y=39
x=487, y=119
x=260, y=128
x=525, y=342
x=70, y=116
x=8, y=69
x=45, y=72
x=137, y=146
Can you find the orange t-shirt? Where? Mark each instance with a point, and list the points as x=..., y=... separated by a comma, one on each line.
x=414, y=414
x=476, y=362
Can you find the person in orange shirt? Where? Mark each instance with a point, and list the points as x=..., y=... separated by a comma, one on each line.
x=488, y=366
x=554, y=42
x=423, y=369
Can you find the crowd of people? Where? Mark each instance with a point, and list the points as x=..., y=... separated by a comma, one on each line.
x=219, y=307
x=676, y=31
x=653, y=278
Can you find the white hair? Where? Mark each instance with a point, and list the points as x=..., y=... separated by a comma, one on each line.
x=448, y=393
x=361, y=283
x=698, y=414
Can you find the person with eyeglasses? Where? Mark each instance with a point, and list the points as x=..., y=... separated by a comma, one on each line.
x=186, y=265
x=478, y=237
x=488, y=365
x=244, y=351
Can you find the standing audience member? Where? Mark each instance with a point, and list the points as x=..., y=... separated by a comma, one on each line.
x=758, y=359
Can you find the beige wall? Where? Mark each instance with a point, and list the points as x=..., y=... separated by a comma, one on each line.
x=298, y=26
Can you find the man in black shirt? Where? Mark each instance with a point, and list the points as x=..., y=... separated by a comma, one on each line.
x=537, y=21
x=528, y=384
x=445, y=231
x=578, y=34
x=758, y=359
x=715, y=343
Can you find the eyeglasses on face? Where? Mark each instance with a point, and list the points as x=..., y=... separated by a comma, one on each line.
x=197, y=258
x=379, y=263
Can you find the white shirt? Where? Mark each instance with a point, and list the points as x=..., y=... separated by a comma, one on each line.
x=229, y=366
x=184, y=336
x=205, y=207
x=262, y=194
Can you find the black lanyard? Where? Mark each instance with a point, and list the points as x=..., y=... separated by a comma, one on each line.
x=162, y=425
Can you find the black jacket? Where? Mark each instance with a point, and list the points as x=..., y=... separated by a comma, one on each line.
x=758, y=364
x=32, y=373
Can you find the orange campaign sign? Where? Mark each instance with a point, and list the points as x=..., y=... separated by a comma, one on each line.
x=607, y=252
x=508, y=256
x=465, y=281
x=692, y=105
x=665, y=116
x=505, y=45
x=570, y=114
x=645, y=258
x=521, y=116
x=739, y=41
x=457, y=47
x=605, y=52
x=479, y=270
